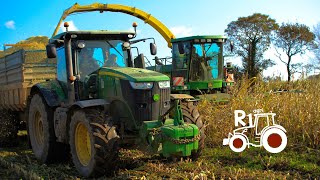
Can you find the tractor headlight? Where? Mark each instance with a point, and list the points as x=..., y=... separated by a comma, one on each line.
x=164, y=84
x=141, y=85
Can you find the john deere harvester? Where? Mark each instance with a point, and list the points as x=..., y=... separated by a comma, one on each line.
x=197, y=66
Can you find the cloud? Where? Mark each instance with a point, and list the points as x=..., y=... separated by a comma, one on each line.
x=181, y=31
x=72, y=27
x=10, y=24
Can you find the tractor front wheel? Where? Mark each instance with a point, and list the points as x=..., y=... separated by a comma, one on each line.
x=93, y=143
x=191, y=115
x=40, y=129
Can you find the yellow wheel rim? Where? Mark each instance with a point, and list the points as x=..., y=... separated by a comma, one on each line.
x=83, y=144
x=38, y=124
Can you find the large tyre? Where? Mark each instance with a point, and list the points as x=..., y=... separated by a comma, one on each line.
x=191, y=115
x=8, y=128
x=93, y=143
x=40, y=129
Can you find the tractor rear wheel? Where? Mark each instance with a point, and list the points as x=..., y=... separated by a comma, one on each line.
x=191, y=115
x=8, y=128
x=93, y=143
x=40, y=129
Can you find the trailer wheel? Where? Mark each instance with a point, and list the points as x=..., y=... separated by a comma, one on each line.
x=40, y=129
x=93, y=143
x=8, y=128
x=238, y=143
x=191, y=115
x=274, y=140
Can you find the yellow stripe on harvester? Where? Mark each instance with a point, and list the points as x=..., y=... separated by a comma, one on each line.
x=112, y=74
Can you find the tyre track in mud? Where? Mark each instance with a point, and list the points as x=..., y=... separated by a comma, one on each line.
x=19, y=162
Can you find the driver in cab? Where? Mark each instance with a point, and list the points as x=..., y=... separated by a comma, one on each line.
x=87, y=63
x=111, y=60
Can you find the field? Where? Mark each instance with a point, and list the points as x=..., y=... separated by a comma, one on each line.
x=297, y=110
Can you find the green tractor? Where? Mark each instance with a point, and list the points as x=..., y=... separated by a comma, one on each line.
x=197, y=67
x=97, y=108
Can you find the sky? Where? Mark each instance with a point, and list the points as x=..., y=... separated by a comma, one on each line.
x=22, y=19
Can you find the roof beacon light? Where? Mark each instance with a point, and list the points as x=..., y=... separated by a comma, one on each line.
x=134, y=25
x=66, y=25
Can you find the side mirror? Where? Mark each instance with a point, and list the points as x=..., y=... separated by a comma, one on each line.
x=153, y=49
x=181, y=48
x=51, y=51
x=139, y=61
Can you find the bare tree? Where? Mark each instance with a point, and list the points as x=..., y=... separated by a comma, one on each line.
x=293, y=39
x=316, y=31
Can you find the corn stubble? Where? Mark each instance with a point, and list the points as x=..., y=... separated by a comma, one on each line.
x=297, y=105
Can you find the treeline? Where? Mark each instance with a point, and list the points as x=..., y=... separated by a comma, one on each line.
x=253, y=35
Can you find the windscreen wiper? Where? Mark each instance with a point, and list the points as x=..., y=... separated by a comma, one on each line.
x=114, y=48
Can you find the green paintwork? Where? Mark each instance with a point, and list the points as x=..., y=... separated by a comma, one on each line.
x=186, y=131
x=155, y=133
x=227, y=83
x=198, y=37
x=161, y=68
x=166, y=132
x=178, y=118
x=194, y=85
x=55, y=86
x=199, y=85
x=134, y=74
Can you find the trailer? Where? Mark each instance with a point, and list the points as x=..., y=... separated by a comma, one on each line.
x=19, y=71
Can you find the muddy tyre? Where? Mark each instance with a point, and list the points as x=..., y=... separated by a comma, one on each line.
x=93, y=143
x=40, y=129
x=191, y=115
x=8, y=128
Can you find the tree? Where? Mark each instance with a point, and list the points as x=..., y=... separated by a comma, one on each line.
x=252, y=37
x=293, y=39
x=316, y=31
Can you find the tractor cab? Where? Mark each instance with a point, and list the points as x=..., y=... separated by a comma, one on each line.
x=82, y=55
x=197, y=63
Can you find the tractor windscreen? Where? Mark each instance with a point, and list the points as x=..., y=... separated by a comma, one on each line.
x=94, y=54
x=205, y=61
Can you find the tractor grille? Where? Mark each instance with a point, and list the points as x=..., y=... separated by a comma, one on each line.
x=164, y=100
x=141, y=102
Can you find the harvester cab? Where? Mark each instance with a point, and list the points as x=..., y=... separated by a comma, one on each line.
x=198, y=61
x=197, y=65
